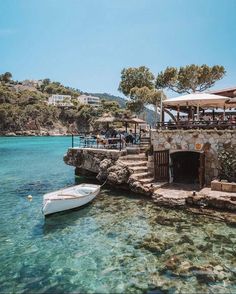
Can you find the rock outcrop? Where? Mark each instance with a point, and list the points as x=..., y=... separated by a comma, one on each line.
x=103, y=169
x=118, y=174
x=107, y=164
x=213, y=199
x=138, y=187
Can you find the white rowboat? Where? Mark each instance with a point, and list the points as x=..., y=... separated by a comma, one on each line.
x=69, y=198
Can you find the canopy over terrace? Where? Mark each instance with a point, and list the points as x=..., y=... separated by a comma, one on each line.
x=107, y=118
x=132, y=120
x=196, y=101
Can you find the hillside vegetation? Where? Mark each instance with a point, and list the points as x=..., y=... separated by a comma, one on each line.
x=24, y=109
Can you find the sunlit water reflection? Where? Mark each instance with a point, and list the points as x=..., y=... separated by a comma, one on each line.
x=119, y=243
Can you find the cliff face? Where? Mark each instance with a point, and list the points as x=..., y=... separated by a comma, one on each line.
x=32, y=128
x=24, y=110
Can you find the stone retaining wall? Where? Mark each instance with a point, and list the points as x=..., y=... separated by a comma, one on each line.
x=89, y=159
x=207, y=141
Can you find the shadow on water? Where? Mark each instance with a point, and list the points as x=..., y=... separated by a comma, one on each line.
x=33, y=277
x=61, y=220
x=36, y=187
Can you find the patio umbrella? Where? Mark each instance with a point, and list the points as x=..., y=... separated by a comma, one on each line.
x=132, y=120
x=231, y=103
x=106, y=118
x=197, y=100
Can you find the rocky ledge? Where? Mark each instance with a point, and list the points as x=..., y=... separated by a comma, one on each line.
x=213, y=199
x=181, y=195
x=131, y=172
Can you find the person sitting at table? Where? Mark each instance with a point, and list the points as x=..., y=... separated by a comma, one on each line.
x=108, y=133
x=113, y=133
x=233, y=119
x=101, y=140
x=130, y=137
x=120, y=135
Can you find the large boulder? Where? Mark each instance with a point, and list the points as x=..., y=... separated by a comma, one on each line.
x=118, y=174
x=138, y=187
x=103, y=169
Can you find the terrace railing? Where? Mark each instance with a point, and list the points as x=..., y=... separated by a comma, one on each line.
x=186, y=125
x=91, y=141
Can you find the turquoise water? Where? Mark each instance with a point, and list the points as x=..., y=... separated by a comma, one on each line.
x=120, y=243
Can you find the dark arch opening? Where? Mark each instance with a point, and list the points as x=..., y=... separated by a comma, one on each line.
x=185, y=167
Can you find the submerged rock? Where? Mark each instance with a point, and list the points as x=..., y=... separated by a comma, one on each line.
x=172, y=263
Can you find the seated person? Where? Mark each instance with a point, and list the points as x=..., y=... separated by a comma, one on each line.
x=113, y=133
x=130, y=137
x=120, y=135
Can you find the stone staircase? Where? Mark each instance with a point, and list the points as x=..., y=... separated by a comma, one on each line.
x=137, y=164
x=144, y=143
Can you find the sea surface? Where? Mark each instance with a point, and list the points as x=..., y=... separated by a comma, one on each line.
x=120, y=243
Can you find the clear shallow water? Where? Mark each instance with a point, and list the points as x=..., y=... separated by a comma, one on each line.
x=119, y=243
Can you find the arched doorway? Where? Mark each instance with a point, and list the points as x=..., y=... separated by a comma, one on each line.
x=187, y=167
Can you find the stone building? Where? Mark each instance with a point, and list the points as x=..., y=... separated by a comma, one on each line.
x=186, y=149
x=192, y=154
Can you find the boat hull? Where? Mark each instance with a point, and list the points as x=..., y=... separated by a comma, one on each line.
x=58, y=204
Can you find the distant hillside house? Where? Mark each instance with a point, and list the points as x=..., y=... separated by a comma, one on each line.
x=89, y=100
x=60, y=100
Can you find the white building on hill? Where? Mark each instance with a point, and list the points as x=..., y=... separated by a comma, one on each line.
x=60, y=100
x=91, y=100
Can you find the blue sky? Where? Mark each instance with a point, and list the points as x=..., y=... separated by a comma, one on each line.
x=86, y=43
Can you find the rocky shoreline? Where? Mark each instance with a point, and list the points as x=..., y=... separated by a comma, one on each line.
x=24, y=134
x=116, y=168
x=36, y=133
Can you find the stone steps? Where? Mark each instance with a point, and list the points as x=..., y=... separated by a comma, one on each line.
x=144, y=148
x=156, y=185
x=138, y=164
x=139, y=157
x=147, y=180
x=133, y=150
x=143, y=175
x=145, y=139
x=139, y=169
x=130, y=163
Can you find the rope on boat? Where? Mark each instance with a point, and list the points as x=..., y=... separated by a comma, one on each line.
x=104, y=183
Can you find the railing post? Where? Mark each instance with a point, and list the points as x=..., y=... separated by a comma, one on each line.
x=120, y=142
x=72, y=140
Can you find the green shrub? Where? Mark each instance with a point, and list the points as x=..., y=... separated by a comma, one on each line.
x=227, y=161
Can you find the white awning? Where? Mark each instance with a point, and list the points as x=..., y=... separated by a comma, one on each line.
x=198, y=100
x=231, y=102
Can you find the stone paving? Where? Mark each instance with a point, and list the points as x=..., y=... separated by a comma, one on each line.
x=174, y=195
